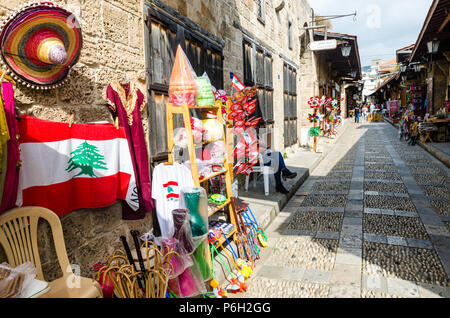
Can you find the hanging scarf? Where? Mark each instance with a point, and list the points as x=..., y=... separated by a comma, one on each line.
x=126, y=102
x=13, y=159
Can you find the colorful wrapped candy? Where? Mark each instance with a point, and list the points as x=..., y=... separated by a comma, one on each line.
x=205, y=95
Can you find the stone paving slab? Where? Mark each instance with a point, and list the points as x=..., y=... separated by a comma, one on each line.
x=355, y=263
x=316, y=276
x=403, y=288
x=374, y=282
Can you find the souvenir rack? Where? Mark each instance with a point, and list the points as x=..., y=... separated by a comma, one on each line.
x=227, y=171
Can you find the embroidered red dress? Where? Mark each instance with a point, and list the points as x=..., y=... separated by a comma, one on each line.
x=126, y=101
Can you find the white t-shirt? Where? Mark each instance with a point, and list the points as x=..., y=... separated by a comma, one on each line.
x=167, y=182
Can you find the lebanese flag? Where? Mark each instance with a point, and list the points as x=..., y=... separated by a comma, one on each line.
x=236, y=83
x=68, y=168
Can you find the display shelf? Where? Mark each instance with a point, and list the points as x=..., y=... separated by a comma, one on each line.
x=184, y=110
x=220, y=207
x=213, y=175
x=204, y=107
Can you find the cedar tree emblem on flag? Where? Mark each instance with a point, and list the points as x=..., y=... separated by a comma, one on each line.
x=86, y=158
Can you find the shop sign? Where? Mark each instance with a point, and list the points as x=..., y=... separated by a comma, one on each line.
x=323, y=45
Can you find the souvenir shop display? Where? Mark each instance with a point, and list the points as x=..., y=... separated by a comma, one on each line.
x=183, y=192
x=41, y=42
x=126, y=102
x=241, y=114
x=315, y=103
x=84, y=159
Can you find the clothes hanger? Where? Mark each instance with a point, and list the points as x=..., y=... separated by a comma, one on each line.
x=6, y=77
x=71, y=119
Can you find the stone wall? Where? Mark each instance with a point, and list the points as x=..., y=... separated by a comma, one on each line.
x=113, y=48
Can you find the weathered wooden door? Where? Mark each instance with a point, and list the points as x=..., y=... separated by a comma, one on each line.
x=166, y=29
x=290, y=105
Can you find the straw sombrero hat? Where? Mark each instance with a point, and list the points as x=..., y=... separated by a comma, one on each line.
x=39, y=44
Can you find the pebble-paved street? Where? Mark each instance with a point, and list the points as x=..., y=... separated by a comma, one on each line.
x=373, y=220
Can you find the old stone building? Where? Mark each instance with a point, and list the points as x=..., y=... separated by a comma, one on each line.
x=262, y=41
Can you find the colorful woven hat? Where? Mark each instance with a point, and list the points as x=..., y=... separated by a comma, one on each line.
x=40, y=42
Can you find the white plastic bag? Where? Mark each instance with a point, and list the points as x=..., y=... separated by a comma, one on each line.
x=14, y=280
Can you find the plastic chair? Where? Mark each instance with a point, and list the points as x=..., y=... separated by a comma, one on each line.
x=266, y=171
x=18, y=237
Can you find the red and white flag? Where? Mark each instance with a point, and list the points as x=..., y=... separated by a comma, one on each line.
x=67, y=168
x=236, y=83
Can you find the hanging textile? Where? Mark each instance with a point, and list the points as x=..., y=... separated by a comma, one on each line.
x=67, y=168
x=126, y=101
x=4, y=137
x=10, y=152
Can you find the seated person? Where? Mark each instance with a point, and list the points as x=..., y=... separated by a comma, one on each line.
x=275, y=160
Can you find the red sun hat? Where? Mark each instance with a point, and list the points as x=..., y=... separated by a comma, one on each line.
x=40, y=42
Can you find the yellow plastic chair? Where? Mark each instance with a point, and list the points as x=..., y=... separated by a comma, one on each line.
x=18, y=237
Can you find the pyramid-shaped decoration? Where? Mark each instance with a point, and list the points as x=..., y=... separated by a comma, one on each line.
x=182, y=86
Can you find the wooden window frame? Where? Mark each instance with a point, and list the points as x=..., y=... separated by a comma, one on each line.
x=261, y=11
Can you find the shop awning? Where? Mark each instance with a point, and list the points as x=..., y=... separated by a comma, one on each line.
x=386, y=81
x=436, y=26
x=343, y=65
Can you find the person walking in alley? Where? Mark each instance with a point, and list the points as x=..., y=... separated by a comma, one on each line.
x=372, y=108
x=357, y=113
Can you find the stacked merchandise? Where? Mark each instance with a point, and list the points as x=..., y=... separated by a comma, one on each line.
x=182, y=87
x=205, y=96
x=183, y=207
x=241, y=113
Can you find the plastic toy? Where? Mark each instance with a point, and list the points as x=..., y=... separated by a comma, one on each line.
x=238, y=285
x=315, y=102
x=218, y=199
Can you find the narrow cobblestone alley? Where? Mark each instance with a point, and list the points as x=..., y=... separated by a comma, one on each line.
x=373, y=220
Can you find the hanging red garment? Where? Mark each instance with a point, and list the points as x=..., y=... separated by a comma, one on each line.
x=126, y=101
x=13, y=160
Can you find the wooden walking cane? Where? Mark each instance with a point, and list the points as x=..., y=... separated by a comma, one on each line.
x=239, y=241
x=241, y=232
